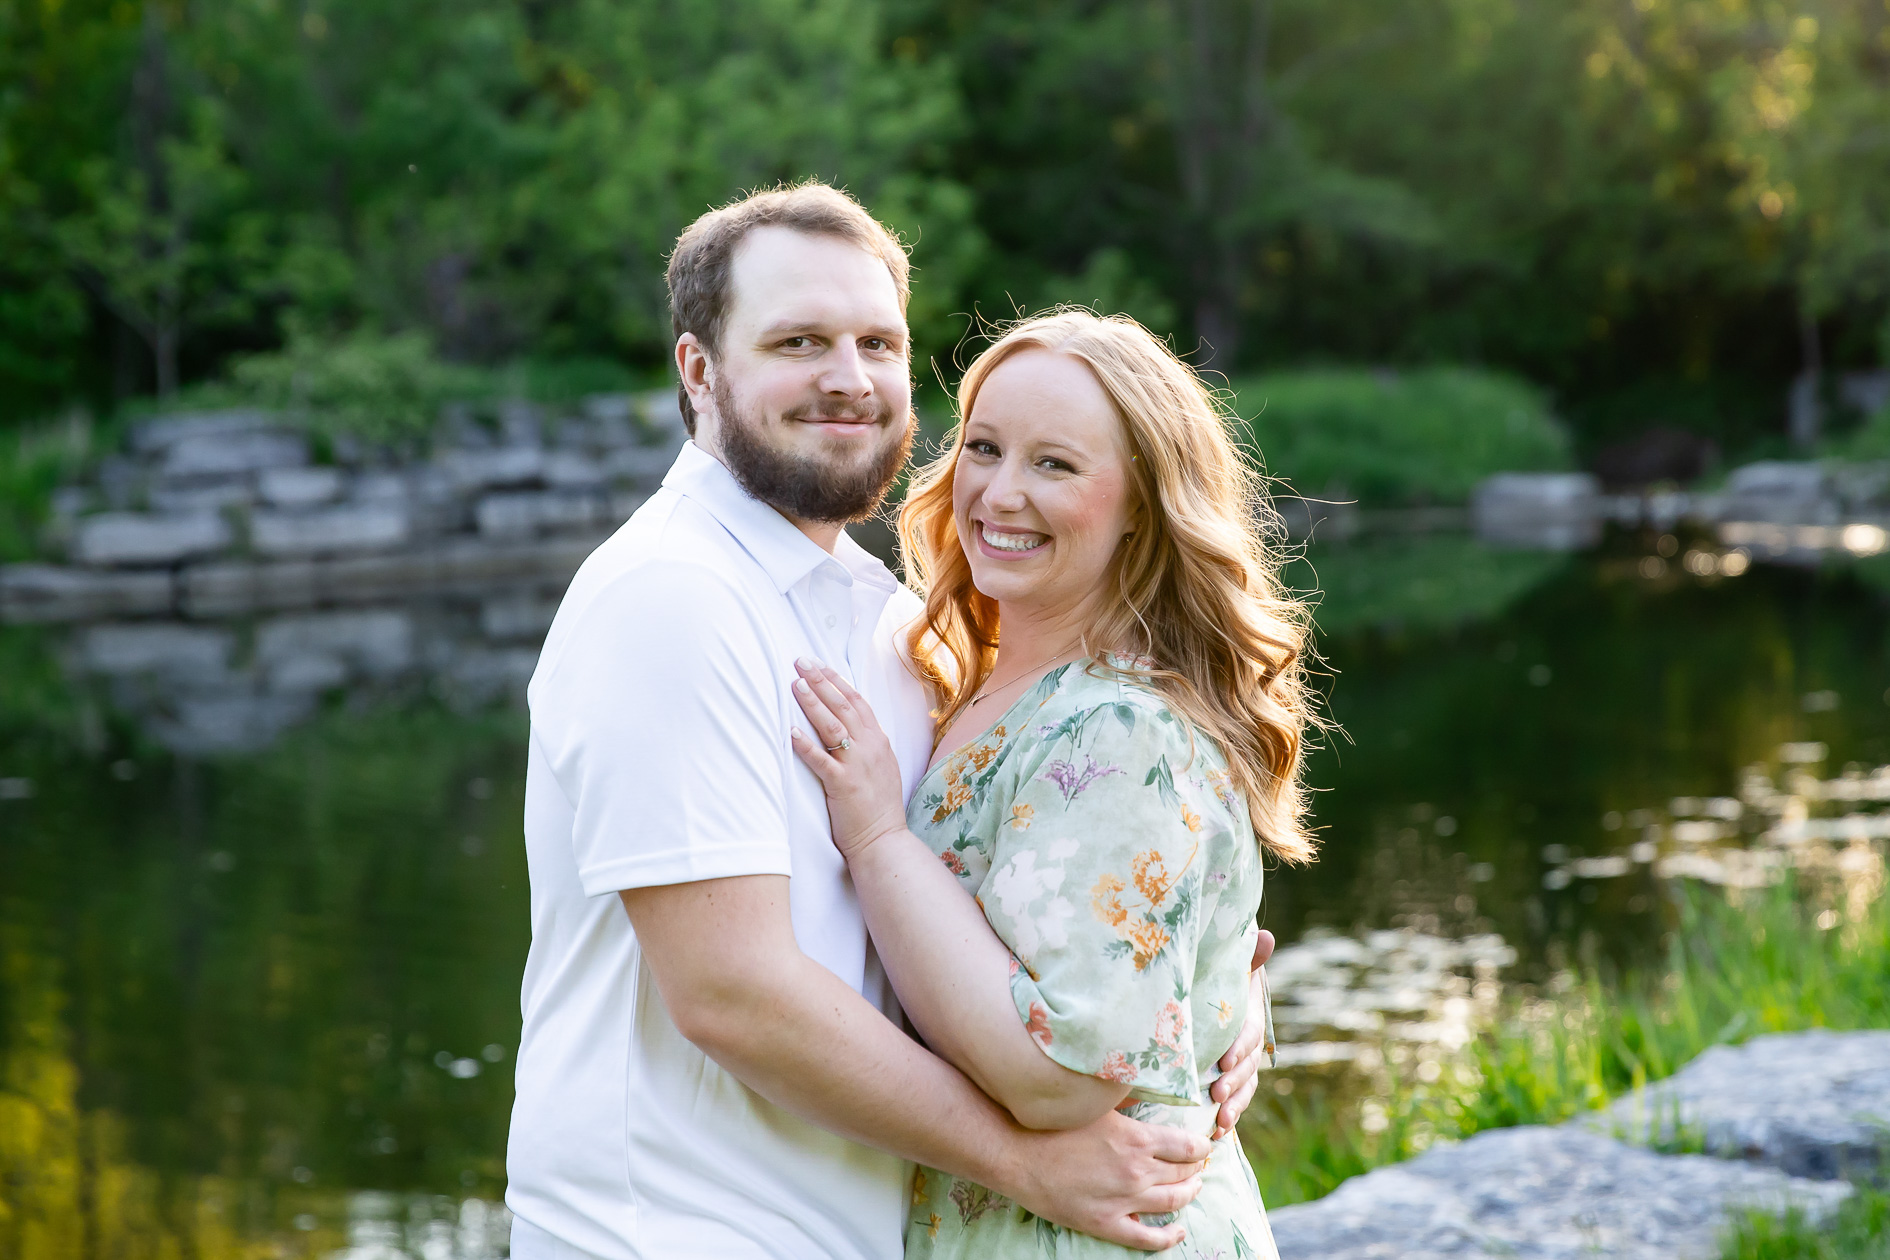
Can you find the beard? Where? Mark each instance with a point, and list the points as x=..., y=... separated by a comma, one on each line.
x=807, y=488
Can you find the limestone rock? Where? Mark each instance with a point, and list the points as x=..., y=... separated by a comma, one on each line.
x=1780, y=492
x=44, y=592
x=211, y=455
x=569, y=470
x=1815, y=1104
x=300, y=487
x=1552, y=511
x=330, y=531
x=158, y=435
x=147, y=538
x=198, y=495
x=524, y=514
x=1539, y=1193
x=378, y=641
x=174, y=649
x=498, y=466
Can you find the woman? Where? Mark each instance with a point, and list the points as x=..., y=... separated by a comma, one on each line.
x=1120, y=721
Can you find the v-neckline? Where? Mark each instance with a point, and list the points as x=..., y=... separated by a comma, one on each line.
x=1000, y=720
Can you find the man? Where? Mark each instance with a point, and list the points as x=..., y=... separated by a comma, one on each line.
x=711, y=1064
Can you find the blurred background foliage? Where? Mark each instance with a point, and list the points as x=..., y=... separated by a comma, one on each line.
x=1657, y=211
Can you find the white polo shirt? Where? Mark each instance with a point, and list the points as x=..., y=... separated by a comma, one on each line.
x=659, y=754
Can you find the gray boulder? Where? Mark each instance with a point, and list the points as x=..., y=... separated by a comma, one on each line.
x=195, y=495
x=1780, y=492
x=1549, y=511
x=644, y=465
x=1815, y=1104
x=525, y=514
x=147, y=538
x=571, y=470
x=45, y=592
x=299, y=487
x=661, y=413
x=1540, y=1193
x=378, y=642
x=159, y=434
x=173, y=648
x=352, y=527
x=497, y=466
x=212, y=455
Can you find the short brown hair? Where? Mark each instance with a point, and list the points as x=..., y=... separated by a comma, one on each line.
x=701, y=265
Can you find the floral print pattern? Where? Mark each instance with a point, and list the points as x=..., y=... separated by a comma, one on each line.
x=1113, y=856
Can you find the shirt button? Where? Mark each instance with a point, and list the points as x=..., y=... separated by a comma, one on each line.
x=831, y=622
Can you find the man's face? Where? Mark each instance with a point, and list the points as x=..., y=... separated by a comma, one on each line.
x=810, y=395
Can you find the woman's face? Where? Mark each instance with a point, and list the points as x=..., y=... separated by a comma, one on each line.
x=1041, y=493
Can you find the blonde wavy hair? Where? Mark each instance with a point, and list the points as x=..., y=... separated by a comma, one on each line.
x=1220, y=639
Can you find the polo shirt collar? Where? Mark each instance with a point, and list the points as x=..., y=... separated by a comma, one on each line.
x=784, y=553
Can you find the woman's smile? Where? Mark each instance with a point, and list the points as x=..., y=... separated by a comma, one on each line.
x=1008, y=543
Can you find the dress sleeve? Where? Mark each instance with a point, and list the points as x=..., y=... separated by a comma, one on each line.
x=1095, y=885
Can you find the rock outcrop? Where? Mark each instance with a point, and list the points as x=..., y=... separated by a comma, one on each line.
x=1813, y=1104
x=1783, y=1117
x=1540, y=1193
x=221, y=512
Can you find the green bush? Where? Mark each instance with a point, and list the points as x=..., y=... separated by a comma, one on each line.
x=34, y=461
x=1398, y=439
x=385, y=389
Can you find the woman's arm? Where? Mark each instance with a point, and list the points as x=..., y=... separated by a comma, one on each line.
x=951, y=971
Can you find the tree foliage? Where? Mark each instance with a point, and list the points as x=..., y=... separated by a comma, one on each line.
x=1661, y=210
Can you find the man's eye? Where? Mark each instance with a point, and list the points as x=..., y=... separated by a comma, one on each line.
x=875, y=343
x=795, y=343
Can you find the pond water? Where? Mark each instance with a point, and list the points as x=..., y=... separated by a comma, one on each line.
x=263, y=899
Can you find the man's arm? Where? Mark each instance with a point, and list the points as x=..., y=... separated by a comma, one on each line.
x=737, y=985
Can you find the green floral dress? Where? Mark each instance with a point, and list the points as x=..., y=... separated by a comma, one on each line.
x=1111, y=853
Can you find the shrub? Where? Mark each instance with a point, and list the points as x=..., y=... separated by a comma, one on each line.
x=387, y=390
x=34, y=461
x=1397, y=439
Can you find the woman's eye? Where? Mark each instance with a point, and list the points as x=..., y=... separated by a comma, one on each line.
x=1054, y=464
x=981, y=448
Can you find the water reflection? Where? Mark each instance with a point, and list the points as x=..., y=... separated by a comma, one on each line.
x=262, y=889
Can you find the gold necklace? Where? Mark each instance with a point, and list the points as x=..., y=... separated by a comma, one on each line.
x=985, y=694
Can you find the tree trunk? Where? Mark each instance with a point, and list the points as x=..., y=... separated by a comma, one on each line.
x=1805, y=418
x=1222, y=114
x=164, y=349
x=150, y=112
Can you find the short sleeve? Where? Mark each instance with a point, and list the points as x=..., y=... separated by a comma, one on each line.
x=659, y=718
x=1095, y=886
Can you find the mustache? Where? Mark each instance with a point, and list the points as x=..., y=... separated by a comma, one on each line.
x=841, y=413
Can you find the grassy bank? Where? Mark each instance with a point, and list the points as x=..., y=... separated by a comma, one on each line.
x=1774, y=962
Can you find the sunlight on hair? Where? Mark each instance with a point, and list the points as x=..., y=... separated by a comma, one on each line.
x=1200, y=592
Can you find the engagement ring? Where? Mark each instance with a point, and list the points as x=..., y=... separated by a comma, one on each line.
x=842, y=746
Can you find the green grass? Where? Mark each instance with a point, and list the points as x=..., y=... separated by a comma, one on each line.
x=1733, y=972
x=1858, y=1230
x=1398, y=439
